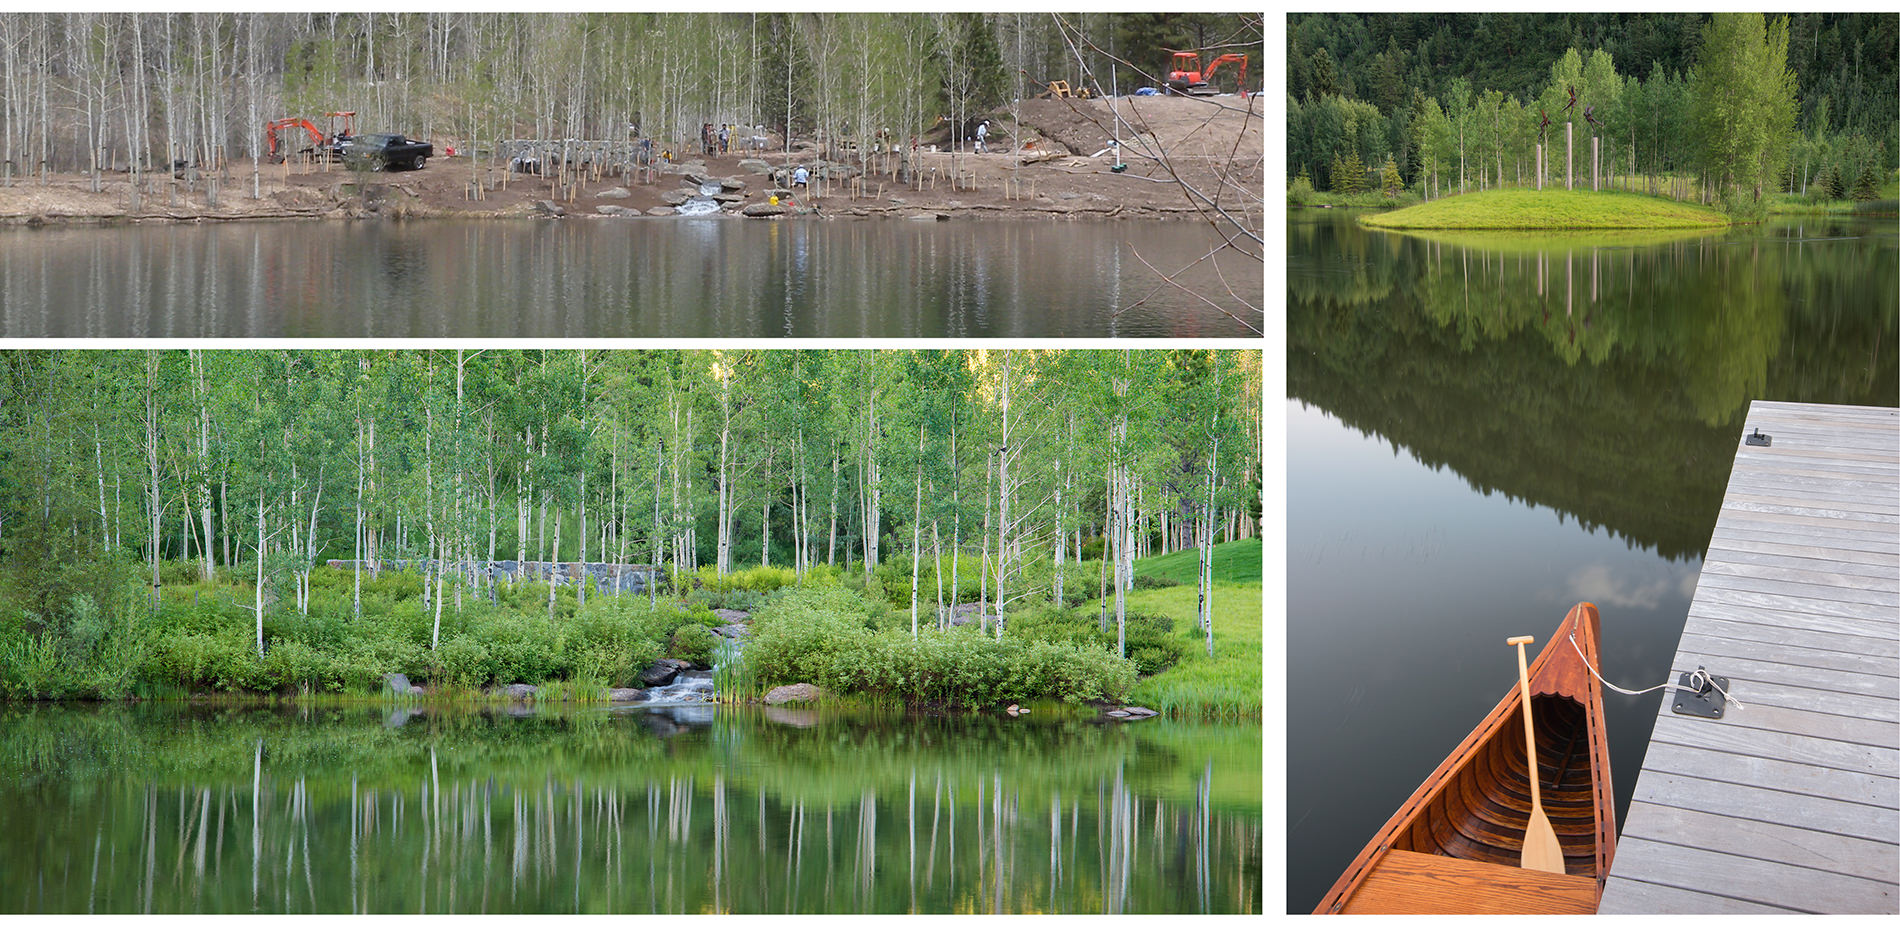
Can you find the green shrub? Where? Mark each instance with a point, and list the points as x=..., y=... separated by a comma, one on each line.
x=463, y=662
x=294, y=664
x=1144, y=581
x=694, y=642
x=1151, y=645
x=825, y=638
x=1300, y=191
x=524, y=650
x=198, y=660
x=616, y=637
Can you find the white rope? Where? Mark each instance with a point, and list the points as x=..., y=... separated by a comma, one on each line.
x=1698, y=677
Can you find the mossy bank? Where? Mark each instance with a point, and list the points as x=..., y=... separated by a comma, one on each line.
x=1549, y=209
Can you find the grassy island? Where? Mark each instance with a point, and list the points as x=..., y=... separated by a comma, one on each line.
x=1549, y=209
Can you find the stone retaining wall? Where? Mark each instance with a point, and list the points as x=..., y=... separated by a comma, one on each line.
x=606, y=577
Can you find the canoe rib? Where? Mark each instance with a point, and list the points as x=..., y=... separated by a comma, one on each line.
x=1476, y=805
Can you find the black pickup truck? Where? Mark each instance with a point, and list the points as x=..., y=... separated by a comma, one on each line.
x=380, y=151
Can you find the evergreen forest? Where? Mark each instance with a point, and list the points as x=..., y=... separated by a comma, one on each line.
x=1727, y=108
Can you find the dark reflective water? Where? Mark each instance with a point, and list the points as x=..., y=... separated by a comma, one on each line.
x=692, y=810
x=623, y=278
x=1481, y=433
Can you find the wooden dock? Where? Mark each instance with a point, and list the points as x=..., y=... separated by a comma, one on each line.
x=1793, y=803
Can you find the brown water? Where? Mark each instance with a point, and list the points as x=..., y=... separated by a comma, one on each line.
x=624, y=278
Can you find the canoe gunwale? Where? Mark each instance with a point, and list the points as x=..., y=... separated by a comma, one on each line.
x=1557, y=672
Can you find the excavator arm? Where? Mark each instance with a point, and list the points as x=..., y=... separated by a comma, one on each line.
x=280, y=152
x=1239, y=59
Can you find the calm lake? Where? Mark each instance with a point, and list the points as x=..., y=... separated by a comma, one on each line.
x=703, y=278
x=689, y=809
x=1481, y=433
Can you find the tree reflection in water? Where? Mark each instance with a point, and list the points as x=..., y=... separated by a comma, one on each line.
x=591, y=812
x=1602, y=374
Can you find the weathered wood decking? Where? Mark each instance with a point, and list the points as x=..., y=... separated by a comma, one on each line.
x=1792, y=804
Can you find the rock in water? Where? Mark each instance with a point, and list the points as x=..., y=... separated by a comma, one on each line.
x=662, y=672
x=626, y=695
x=519, y=691
x=796, y=692
x=397, y=683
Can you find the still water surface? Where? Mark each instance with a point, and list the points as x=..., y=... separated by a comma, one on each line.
x=694, y=809
x=704, y=278
x=1481, y=433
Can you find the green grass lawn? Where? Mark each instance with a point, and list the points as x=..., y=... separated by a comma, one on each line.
x=1548, y=209
x=1226, y=686
x=1234, y=562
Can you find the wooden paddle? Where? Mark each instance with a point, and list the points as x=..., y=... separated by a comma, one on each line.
x=1541, y=850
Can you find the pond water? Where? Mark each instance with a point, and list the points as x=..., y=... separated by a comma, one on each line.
x=688, y=809
x=1481, y=433
x=705, y=278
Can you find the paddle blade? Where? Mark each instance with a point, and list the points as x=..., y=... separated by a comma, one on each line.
x=1541, y=850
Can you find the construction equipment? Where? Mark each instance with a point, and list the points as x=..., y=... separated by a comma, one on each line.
x=1185, y=74
x=279, y=151
x=1059, y=90
x=330, y=145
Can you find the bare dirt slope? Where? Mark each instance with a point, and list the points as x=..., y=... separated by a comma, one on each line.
x=1059, y=162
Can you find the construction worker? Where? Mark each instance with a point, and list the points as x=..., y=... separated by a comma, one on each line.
x=801, y=178
x=725, y=138
x=982, y=135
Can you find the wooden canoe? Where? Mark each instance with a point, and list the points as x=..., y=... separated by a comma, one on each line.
x=1454, y=847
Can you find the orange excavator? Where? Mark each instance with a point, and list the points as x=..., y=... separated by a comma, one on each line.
x=328, y=145
x=1185, y=74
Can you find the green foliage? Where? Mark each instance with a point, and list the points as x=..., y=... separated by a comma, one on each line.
x=1151, y=645
x=1299, y=192
x=1389, y=182
x=758, y=579
x=464, y=663
x=693, y=642
x=824, y=638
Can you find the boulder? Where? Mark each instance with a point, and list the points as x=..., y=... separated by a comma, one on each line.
x=732, y=615
x=1131, y=713
x=549, y=208
x=796, y=692
x=397, y=683
x=791, y=717
x=733, y=631
x=755, y=166
x=519, y=692
x=676, y=197
x=662, y=672
x=606, y=210
x=662, y=211
x=626, y=695
x=617, y=193
x=762, y=210
x=732, y=184
x=729, y=198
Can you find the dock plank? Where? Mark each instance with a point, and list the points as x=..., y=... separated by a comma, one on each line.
x=1798, y=846
x=1791, y=803
x=1763, y=881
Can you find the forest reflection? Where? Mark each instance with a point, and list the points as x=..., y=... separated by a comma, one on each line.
x=1604, y=375
x=158, y=811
